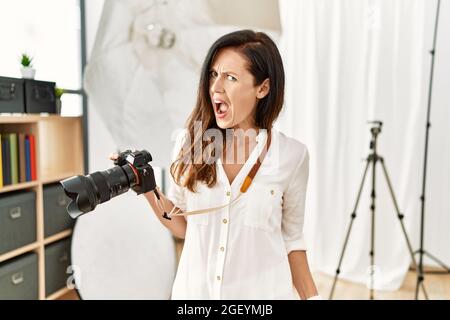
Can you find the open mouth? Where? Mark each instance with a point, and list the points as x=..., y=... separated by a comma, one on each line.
x=220, y=108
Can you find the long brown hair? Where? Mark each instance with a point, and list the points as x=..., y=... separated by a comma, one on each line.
x=263, y=61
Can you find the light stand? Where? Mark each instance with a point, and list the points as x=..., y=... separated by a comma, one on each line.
x=421, y=251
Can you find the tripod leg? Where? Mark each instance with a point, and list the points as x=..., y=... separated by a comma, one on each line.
x=441, y=263
x=400, y=217
x=372, y=232
x=420, y=284
x=353, y=216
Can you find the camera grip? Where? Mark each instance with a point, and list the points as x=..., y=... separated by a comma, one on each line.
x=146, y=178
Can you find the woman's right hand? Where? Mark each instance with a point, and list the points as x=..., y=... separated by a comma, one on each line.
x=113, y=156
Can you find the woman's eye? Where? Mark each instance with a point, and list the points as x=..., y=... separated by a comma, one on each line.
x=231, y=78
x=213, y=74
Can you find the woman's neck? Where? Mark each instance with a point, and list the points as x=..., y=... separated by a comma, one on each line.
x=239, y=144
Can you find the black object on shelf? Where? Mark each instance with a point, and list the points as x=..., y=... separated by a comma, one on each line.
x=55, y=217
x=57, y=260
x=12, y=95
x=40, y=96
x=17, y=220
x=27, y=96
x=19, y=278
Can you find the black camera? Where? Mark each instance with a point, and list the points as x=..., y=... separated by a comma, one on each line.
x=131, y=171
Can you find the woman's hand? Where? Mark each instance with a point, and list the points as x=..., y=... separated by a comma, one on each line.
x=113, y=156
x=176, y=226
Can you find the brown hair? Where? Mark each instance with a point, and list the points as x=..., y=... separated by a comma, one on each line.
x=264, y=61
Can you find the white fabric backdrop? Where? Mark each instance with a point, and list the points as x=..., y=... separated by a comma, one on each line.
x=348, y=62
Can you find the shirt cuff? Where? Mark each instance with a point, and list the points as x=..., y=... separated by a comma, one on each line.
x=178, y=204
x=297, y=244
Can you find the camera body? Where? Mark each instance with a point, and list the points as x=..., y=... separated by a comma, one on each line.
x=138, y=160
x=132, y=171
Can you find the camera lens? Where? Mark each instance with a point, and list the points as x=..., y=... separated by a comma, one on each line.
x=86, y=192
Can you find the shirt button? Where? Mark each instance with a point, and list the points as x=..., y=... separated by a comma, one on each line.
x=222, y=249
x=224, y=220
x=218, y=278
x=228, y=193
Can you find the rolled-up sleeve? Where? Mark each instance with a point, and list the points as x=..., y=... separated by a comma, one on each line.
x=176, y=193
x=294, y=206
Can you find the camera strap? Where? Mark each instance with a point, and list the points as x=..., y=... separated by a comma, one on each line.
x=244, y=187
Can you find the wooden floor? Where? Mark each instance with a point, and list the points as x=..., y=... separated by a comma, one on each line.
x=437, y=287
x=72, y=295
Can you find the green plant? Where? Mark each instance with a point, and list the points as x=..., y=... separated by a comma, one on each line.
x=59, y=92
x=26, y=60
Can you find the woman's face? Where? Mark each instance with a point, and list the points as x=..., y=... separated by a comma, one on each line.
x=233, y=93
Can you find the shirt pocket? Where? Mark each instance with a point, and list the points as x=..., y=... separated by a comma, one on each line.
x=198, y=201
x=264, y=207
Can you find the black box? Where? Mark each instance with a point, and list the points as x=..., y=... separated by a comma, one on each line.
x=12, y=95
x=17, y=220
x=19, y=278
x=39, y=96
x=57, y=260
x=27, y=96
x=56, y=218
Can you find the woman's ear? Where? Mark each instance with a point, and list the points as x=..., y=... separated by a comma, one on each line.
x=263, y=89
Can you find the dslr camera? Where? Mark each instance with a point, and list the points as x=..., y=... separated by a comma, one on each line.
x=132, y=170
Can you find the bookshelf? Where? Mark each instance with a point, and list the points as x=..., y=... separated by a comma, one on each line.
x=59, y=154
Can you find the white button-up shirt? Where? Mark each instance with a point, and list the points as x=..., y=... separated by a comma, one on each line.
x=241, y=251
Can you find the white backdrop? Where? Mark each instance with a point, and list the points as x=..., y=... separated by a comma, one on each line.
x=348, y=62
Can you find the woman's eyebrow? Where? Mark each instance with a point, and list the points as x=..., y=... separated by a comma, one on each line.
x=225, y=71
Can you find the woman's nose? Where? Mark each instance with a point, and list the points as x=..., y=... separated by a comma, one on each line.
x=217, y=85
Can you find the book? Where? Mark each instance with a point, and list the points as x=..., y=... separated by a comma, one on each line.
x=22, y=176
x=27, y=159
x=14, y=158
x=6, y=160
x=33, y=157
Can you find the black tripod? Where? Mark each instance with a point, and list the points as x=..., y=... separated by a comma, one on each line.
x=372, y=159
x=421, y=250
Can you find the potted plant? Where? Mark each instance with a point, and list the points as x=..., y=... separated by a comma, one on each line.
x=27, y=70
x=58, y=93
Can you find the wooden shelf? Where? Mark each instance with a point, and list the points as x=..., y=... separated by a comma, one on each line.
x=19, y=251
x=19, y=186
x=58, y=236
x=20, y=118
x=32, y=118
x=59, y=155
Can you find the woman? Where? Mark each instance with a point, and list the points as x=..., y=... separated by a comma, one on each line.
x=243, y=231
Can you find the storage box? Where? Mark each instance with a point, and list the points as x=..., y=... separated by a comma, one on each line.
x=57, y=260
x=39, y=96
x=56, y=218
x=19, y=278
x=11, y=95
x=17, y=220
